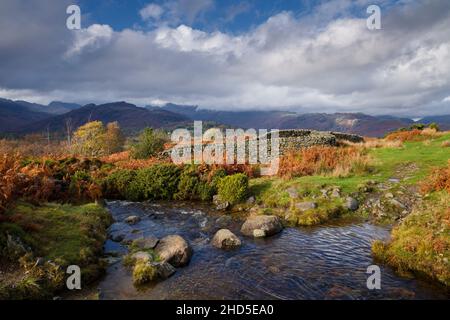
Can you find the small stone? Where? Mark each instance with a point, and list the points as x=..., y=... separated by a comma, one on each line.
x=223, y=206
x=220, y=205
x=389, y=195
x=274, y=269
x=132, y=219
x=336, y=193
x=304, y=206
x=251, y=200
x=293, y=194
x=216, y=199
x=164, y=269
x=397, y=203
x=351, y=204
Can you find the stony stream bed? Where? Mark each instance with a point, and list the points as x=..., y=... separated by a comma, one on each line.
x=325, y=262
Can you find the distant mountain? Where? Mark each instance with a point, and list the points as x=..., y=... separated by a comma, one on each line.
x=15, y=116
x=345, y=122
x=130, y=118
x=443, y=121
x=53, y=108
x=25, y=117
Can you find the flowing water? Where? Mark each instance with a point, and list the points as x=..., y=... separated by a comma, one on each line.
x=326, y=262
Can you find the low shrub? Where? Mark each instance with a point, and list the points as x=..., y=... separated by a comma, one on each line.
x=189, y=184
x=116, y=185
x=234, y=188
x=159, y=182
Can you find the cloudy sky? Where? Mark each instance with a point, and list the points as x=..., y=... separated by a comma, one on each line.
x=302, y=55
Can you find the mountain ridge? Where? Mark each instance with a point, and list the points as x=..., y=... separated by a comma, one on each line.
x=21, y=117
x=130, y=118
x=357, y=123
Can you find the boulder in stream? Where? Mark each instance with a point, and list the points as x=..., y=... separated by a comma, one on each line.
x=261, y=226
x=225, y=239
x=174, y=250
x=132, y=219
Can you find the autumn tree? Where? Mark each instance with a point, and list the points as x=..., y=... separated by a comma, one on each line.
x=94, y=140
x=113, y=138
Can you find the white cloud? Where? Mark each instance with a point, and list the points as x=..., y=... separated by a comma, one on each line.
x=151, y=11
x=94, y=37
x=337, y=65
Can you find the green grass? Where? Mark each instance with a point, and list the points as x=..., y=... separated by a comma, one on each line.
x=424, y=155
x=65, y=234
x=68, y=234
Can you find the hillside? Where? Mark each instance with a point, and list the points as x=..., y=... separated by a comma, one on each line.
x=130, y=118
x=357, y=123
x=14, y=116
x=53, y=108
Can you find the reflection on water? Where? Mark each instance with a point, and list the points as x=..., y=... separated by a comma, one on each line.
x=327, y=262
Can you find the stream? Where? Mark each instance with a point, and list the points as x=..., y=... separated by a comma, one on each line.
x=325, y=262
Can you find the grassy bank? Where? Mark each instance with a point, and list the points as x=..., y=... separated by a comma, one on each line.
x=39, y=242
x=421, y=243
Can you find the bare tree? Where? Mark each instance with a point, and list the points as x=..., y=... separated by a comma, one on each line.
x=69, y=131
